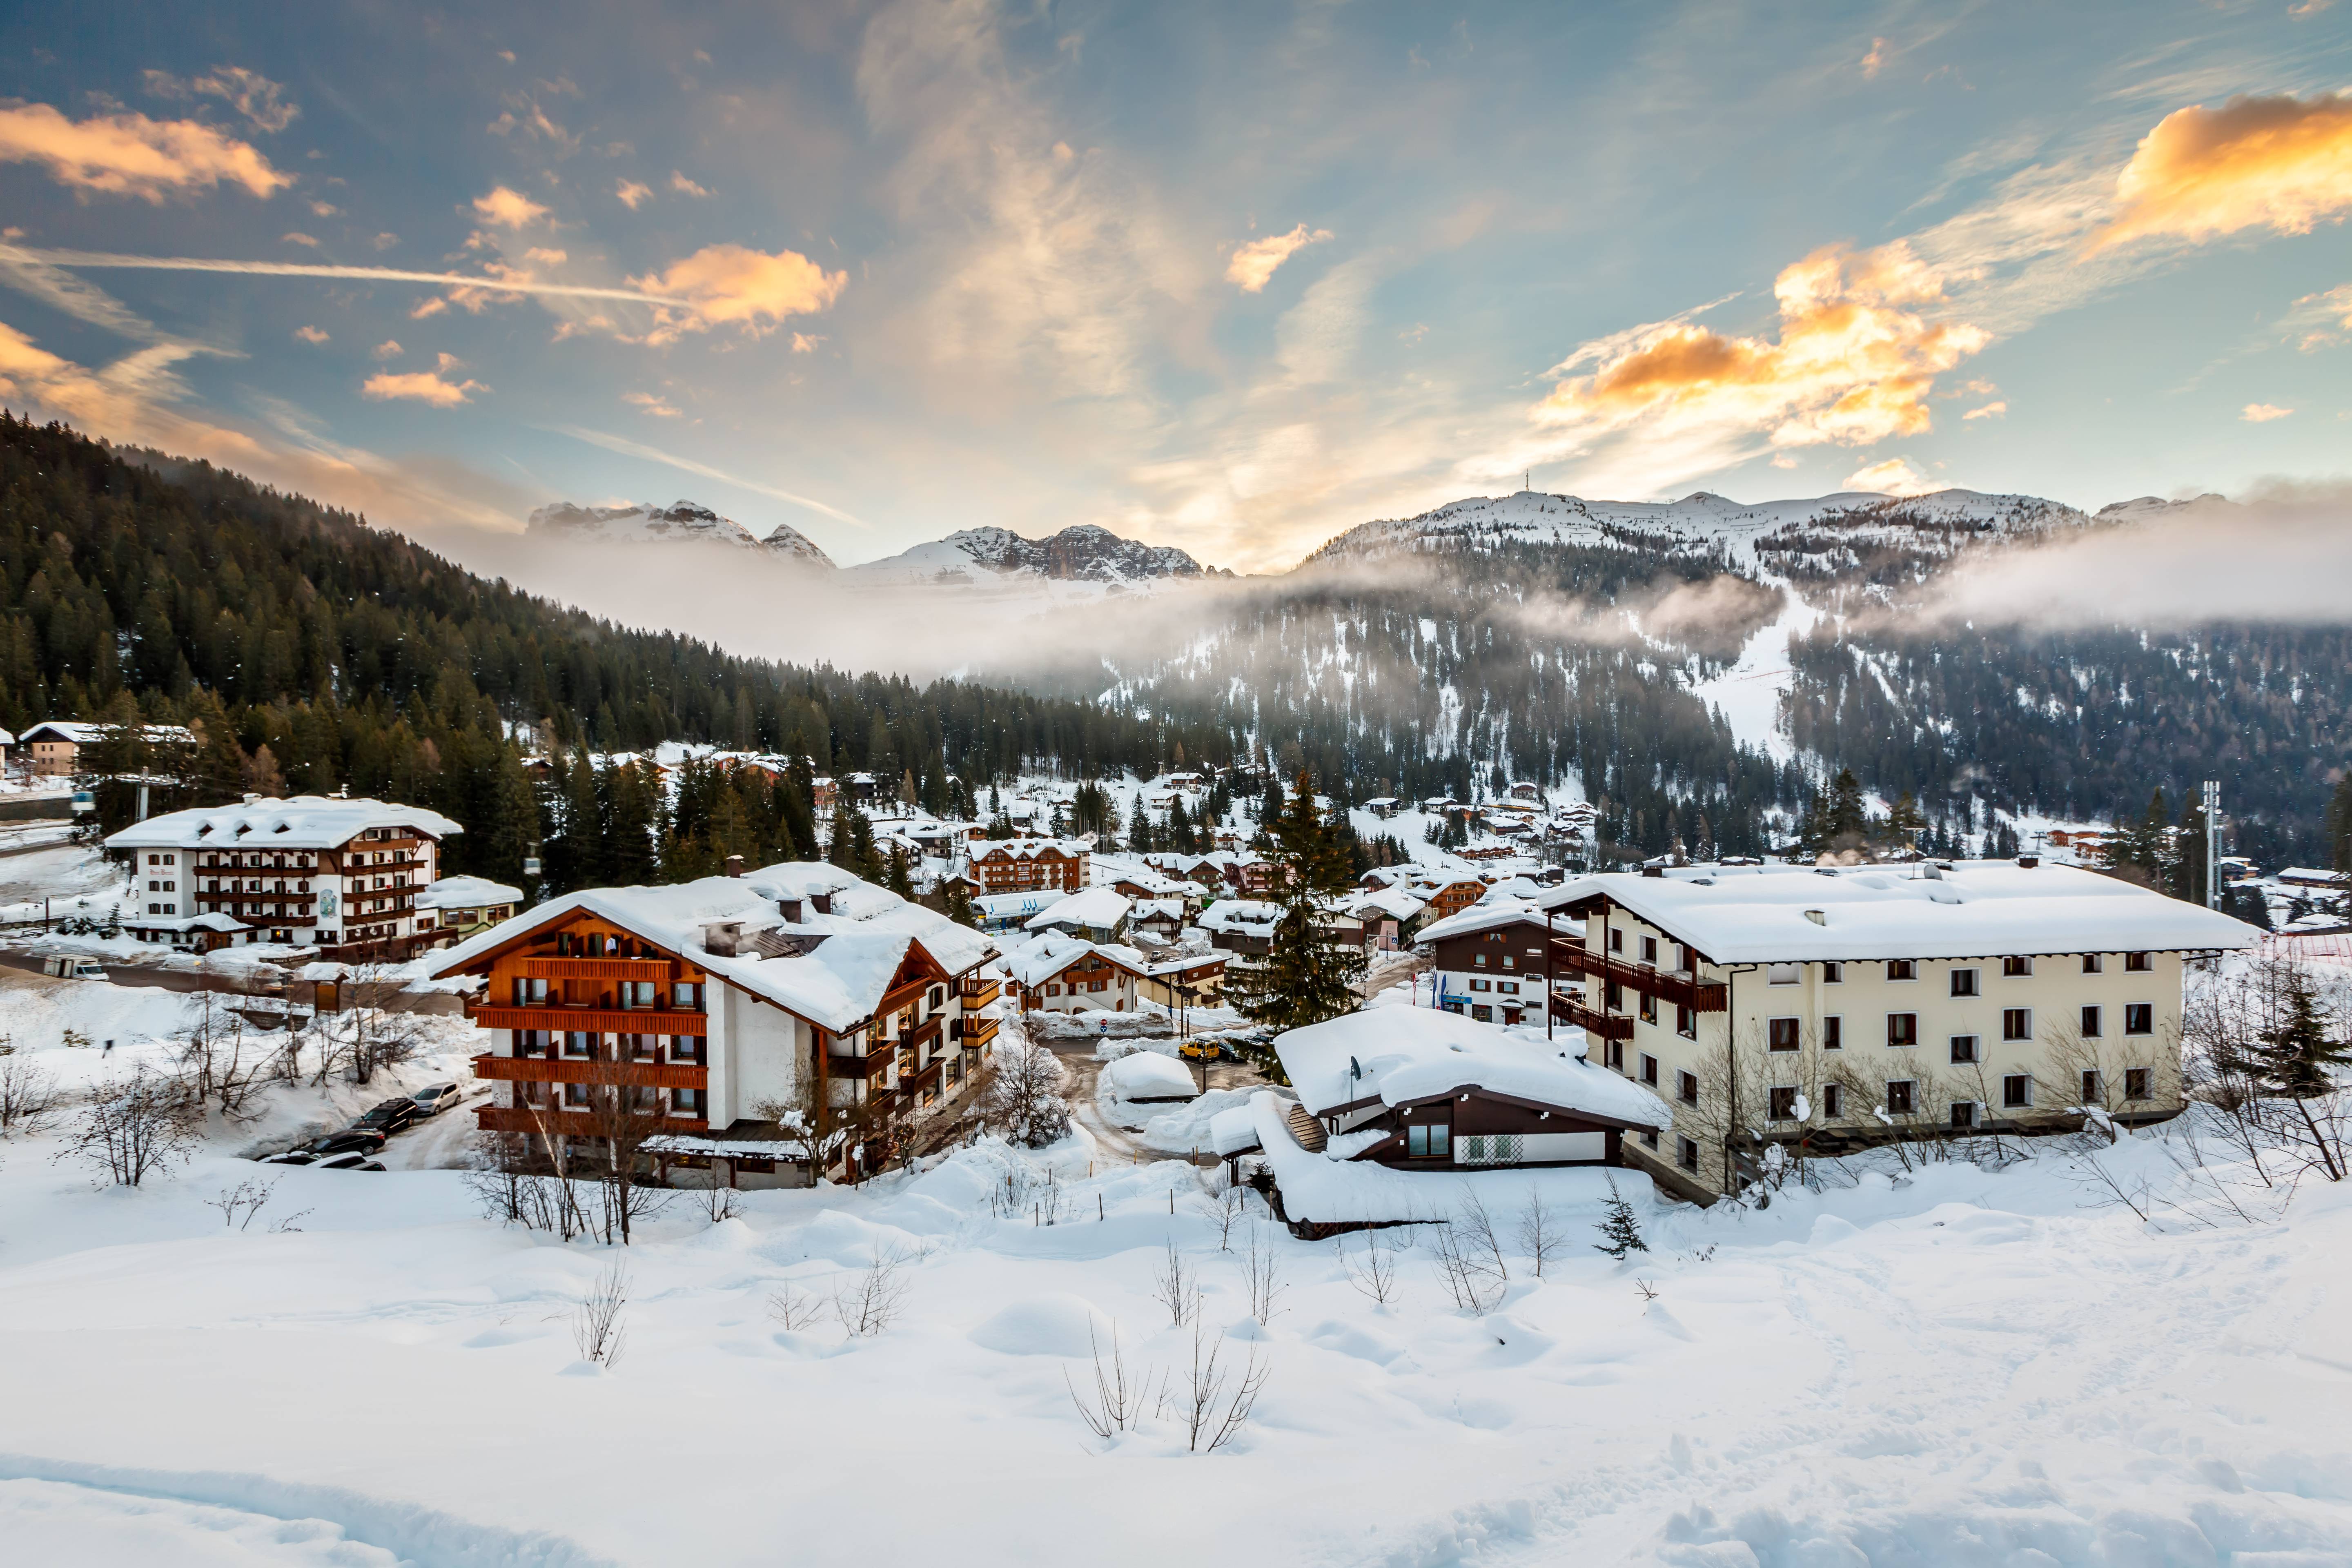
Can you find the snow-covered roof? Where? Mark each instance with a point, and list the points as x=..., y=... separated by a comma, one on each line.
x=1245, y=917
x=466, y=893
x=215, y=922
x=1787, y=914
x=1043, y=956
x=1092, y=907
x=1233, y=1131
x=82, y=735
x=1483, y=916
x=1017, y=906
x=1399, y=1054
x=1396, y=903
x=837, y=984
x=1027, y=849
x=300, y=822
x=1148, y=1075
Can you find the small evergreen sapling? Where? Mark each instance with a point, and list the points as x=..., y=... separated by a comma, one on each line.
x=1622, y=1231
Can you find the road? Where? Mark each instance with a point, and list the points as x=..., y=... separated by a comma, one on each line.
x=1081, y=1072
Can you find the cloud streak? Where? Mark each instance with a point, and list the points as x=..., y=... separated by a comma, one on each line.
x=628, y=449
x=76, y=260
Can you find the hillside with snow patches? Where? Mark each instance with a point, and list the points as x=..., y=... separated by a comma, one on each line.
x=681, y=523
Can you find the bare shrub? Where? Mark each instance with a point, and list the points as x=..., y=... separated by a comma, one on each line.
x=1261, y=1273
x=1176, y=1287
x=27, y=1094
x=1541, y=1239
x=1375, y=1278
x=596, y=1323
x=1023, y=1101
x=869, y=1302
x=1466, y=1267
x=1232, y=1202
x=238, y=1204
x=1120, y=1395
x=1212, y=1417
x=131, y=1130
x=1478, y=1233
x=794, y=1308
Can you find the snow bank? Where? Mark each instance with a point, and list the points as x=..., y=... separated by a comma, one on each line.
x=1148, y=1075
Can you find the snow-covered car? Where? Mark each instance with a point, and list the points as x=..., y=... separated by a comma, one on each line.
x=345, y=1141
x=435, y=1098
x=350, y=1163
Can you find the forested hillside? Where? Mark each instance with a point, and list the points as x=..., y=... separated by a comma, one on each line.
x=314, y=652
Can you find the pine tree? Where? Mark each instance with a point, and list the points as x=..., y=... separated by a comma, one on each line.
x=1304, y=978
x=1903, y=823
x=1620, y=1231
x=2299, y=1060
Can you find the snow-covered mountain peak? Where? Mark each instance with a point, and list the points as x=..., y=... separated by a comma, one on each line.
x=680, y=521
x=1082, y=552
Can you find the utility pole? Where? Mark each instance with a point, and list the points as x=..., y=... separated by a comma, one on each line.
x=2212, y=844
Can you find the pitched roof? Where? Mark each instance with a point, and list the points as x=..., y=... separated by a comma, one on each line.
x=466, y=893
x=1094, y=907
x=301, y=822
x=1398, y=1053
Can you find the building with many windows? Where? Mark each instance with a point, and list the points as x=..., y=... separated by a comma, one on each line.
x=1024, y=865
x=1837, y=1006
x=311, y=870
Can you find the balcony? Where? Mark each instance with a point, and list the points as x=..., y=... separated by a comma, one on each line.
x=656, y=970
x=568, y=1123
x=981, y=992
x=593, y=1020
x=1676, y=986
x=913, y=1084
x=581, y=1069
x=1604, y=1026
x=977, y=1031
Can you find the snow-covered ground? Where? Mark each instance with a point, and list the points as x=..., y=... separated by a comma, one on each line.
x=1959, y=1366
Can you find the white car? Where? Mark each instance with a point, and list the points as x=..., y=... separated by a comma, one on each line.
x=435, y=1098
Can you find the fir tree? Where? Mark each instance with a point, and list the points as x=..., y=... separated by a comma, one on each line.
x=1304, y=978
x=1621, y=1232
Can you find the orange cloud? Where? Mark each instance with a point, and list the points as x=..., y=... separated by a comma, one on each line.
x=1894, y=477
x=1853, y=365
x=2280, y=162
x=631, y=193
x=131, y=155
x=311, y=335
x=1253, y=265
x=731, y=285
x=1990, y=411
x=420, y=386
x=508, y=208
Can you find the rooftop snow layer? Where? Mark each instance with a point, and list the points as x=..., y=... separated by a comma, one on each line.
x=1094, y=907
x=1399, y=1055
x=303, y=821
x=1764, y=914
x=466, y=893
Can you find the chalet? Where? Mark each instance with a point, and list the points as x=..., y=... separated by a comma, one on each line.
x=1025, y=865
x=1410, y=1092
x=1449, y=895
x=1060, y=974
x=1843, y=1005
x=1240, y=925
x=312, y=870
x=1187, y=980
x=1386, y=918
x=457, y=907
x=719, y=1010
x=1488, y=962
x=1382, y=806
x=1526, y=792
x=53, y=747
x=1098, y=914
x=1161, y=917
x=2315, y=877
x=1011, y=912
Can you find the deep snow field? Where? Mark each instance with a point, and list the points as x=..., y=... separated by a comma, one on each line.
x=1962, y=1366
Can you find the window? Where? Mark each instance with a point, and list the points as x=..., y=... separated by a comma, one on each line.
x=1491, y=1149
x=1054, y=989
x=2094, y=963
x=1649, y=1008
x=1686, y=1153
x=1650, y=951
x=1429, y=1140
x=1685, y=1023
x=1964, y=1114
x=1902, y=969
x=1686, y=1088
x=636, y=994
x=1964, y=1049
x=1782, y=1033
x=1783, y=973
x=685, y=1102
x=1784, y=1104
x=1615, y=1054
x=2091, y=1023
x=2016, y=1091
x=1898, y=1096
x=2016, y=965
x=1482, y=1011
x=2138, y=962
x=575, y=1096
x=684, y=1048
x=644, y=1099
x=1649, y=1070
x=2139, y=1017
x=1833, y=973
x=1479, y=982
x=2017, y=1023
x=686, y=994
x=1479, y=959
x=1832, y=1033
x=1832, y=1101
x=1616, y=940
x=642, y=1048
x=1649, y=1137
x=1964, y=982
x=531, y=993
x=2094, y=1086
x=576, y=1044
x=2139, y=1083
x=1612, y=996
x=1903, y=1028
x=1507, y=987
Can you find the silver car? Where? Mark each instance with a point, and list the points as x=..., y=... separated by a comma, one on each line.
x=434, y=1098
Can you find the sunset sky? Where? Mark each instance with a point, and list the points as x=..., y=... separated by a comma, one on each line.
x=1231, y=277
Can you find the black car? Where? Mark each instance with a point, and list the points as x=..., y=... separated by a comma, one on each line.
x=350, y=1162
x=362, y=1140
x=392, y=1115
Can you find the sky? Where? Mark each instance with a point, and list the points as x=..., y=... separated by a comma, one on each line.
x=1227, y=277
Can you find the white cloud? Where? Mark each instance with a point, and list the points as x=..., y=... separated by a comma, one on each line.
x=631, y=193
x=419, y=386
x=1253, y=265
x=1990, y=411
x=1894, y=477
x=388, y=349
x=311, y=335
x=131, y=155
x=251, y=94
x=508, y=208
x=684, y=186
x=2263, y=412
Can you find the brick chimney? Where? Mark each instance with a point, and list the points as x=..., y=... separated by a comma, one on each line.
x=734, y=865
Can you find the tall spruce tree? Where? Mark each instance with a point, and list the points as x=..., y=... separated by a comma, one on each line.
x=1306, y=977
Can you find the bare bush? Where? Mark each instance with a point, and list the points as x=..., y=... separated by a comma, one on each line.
x=1176, y=1287
x=1375, y=1278
x=1232, y=1202
x=1213, y=1417
x=1261, y=1273
x=131, y=1130
x=596, y=1323
x=220, y=1065
x=1540, y=1238
x=370, y=1032
x=1479, y=1231
x=869, y=1302
x=27, y=1094
x=794, y=1308
x=1467, y=1268
x=1119, y=1396
x=238, y=1204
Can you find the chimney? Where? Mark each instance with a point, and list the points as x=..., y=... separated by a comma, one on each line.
x=720, y=938
x=252, y=799
x=734, y=865
x=824, y=902
x=2027, y=862
x=790, y=908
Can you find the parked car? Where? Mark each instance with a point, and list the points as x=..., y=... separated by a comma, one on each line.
x=435, y=1098
x=291, y=1157
x=391, y=1116
x=1205, y=1051
x=72, y=969
x=350, y=1163
x=365, y=1140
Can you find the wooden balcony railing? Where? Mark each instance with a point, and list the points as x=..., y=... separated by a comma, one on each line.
x=981, y=992
x=579, y=1069
x=1676, y=986
x=568, y=1123
x=658, y=970
x=978, y=1031
x=594, y=1020
x=1606, y=1026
